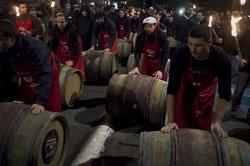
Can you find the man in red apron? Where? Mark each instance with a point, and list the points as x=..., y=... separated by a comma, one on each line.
x=123, y=25
x=32, y=61
x=195, y=71
x=66, y=44
x=104, y=34
x=151, y=50
x=25, y=23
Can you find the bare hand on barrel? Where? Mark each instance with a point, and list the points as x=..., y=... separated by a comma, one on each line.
x=37, y=109
x=69, y=63
x=106, y=50
x=158, y=74
x=216, y=127
x=134, y=71
x=169, y=127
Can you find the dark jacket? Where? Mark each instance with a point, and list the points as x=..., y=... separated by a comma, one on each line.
x=37, y=53
x=109, y=26
x=162, y=42
x=85, y=26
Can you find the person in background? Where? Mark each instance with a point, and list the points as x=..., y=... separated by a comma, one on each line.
x=123, y=25
x=85, y=24
x=36, y=67
x=26, y=23
x=195, y=71
x=39, y=23
x=104, y=33
x=151, y=50
x=66, y=44
x=244, y=68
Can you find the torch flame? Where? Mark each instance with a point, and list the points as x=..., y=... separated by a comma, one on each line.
x=210, y=21
x=242, y=2
x=234, y=21
x=17, y=11
x=52, y=4
x=194, y=6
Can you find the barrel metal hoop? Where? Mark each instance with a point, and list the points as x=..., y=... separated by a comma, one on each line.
x=174, y=146
x=146, y=104
x=219, y=153
x=124, y=90
x=225, y=158
x=164, y=89
x=244, y=153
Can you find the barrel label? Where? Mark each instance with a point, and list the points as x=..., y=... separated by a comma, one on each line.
x=50, y=146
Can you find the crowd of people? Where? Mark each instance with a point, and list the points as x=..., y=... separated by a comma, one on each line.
x=34, y=39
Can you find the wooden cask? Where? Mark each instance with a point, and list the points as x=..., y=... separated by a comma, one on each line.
x=137, y=96
x=191, y=147
x=99, y=66
x=71, y=85
x=28, y=139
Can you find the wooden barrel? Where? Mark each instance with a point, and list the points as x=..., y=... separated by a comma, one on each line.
x=123, y=49
x=137, y=96
x=28, y=139
x=131, y=62
x=131, y=65
x=191, y=147
x=71, y=85
x=99, y=66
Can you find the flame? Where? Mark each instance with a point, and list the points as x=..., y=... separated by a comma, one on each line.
x=194, y=6
x=210, y=21
x=17, y=11
x=242, y=2
x=52, y=4
x=234, y=21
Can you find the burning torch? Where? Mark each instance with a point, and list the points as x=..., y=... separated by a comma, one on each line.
x=210, y=21
x=234, y=22
x=242, y=2
x=52, y=5
x=17, y=11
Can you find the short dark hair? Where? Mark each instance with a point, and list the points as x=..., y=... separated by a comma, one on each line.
x=200, y=31
x=7, y=28
x=21, y=2
x=99, y=15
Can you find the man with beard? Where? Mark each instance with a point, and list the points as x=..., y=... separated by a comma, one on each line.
x=151, y=50
x=123, y=25
x=25, y=23
x=34, y=64
x=66, y=44
x=104, y=33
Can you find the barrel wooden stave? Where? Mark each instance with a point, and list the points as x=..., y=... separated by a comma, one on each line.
x=99, y=66
x=24, y=143
x=137, y=99
x=131, y=63
x=123, y=49
x=191, y=147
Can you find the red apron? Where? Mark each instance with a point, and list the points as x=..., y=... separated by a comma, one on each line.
x=104, y=41
x=121, y=31
x=195, y=98
x=150, y=60
x=29, y=84
x=64, y=53
x=26, y=24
